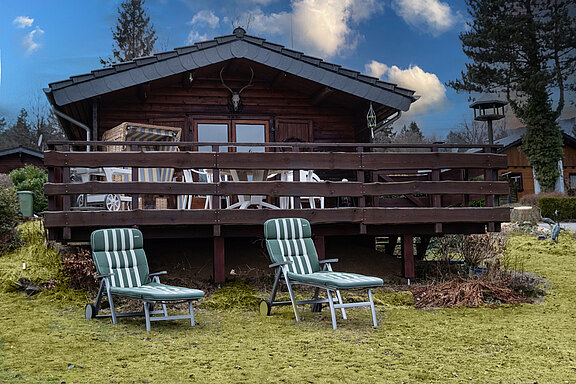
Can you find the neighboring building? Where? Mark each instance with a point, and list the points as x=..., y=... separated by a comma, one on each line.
x=19, y=157
x=520, y=173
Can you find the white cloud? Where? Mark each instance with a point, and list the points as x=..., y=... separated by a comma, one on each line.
x=274, y=23
x=23, y=22
x=29, y=42
x=205, y=17
x=319, y=27
x=259, y=2
x=195, y=37
x=432, y=16
x=427, y=85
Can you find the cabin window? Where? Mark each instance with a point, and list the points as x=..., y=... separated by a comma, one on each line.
x=572, y=181
x=211, y=132
x=250, y=133
x=516, y=181
x=234, y=131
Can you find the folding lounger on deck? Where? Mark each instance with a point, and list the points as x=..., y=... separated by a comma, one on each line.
x=123, y=269
x=294, y=257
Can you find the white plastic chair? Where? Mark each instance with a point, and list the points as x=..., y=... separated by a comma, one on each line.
x=185, y=201
x=306, y=176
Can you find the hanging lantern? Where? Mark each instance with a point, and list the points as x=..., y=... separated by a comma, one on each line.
x=371, y=119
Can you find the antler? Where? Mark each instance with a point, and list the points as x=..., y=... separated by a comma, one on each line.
x=250, y=83
x=222, y=80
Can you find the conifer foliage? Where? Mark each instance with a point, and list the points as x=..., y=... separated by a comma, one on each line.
x=524, y=49
x=134, y=36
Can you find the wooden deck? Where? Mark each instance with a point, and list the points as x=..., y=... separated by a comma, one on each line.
x=427, y=191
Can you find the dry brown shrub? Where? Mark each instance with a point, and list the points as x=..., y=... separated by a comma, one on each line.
x=81, y=269
x=466, y=293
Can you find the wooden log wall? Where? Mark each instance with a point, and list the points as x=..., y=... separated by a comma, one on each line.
x=171, y=102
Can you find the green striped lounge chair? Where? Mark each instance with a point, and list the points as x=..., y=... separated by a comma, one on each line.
x=293, y=255
x=122, y=268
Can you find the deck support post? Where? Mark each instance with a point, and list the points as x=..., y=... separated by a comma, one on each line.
x=391, y=245
x=320, y=244
x=422, y=246
x=408, y=267
x=219, y=260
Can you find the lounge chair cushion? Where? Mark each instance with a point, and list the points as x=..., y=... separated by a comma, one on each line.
x=337, y=280
x=289, y=240
x=157, y=291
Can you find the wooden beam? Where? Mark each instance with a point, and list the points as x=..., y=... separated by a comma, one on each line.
x=368, y=216
x=408, y=264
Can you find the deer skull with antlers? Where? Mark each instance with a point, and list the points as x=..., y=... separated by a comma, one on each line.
x=234, y=102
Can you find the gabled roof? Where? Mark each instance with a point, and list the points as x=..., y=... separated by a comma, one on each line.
x=22, y=150
x=237, y=45
x=514, y=139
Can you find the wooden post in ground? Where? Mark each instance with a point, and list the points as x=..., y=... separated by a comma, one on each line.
x=391, y=245
x=219, y=260
x=408, y=267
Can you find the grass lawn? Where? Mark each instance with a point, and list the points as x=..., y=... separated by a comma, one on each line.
x=46, y=339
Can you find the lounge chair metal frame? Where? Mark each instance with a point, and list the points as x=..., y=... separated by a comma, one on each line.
x=150, y=291
x=296, y=233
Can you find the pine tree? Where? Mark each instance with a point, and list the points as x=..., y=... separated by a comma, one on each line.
x=518, y=47
x=134, y=36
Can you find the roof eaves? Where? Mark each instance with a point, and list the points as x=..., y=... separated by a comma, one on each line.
x=254, y=40
x=81, y=78
x=206, y=44
x=145, y=60
x=273, y=46
x=185, y=50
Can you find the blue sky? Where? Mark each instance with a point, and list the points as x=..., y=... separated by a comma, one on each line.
x=413, y=43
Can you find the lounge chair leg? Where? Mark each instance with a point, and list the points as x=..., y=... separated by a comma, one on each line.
x=98, y=301
x=372, y=308
x=165, y=309
x=192, y=323
x=341, y=302
x=332, y=311
x=293, y=300
x=275, y=287
x=316, y=307
x=147, y=315
x=111, y=301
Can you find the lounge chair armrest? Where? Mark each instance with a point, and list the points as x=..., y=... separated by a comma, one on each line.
x=280, y=263
x=158, y=273
x=103, y=276
x=327, y=261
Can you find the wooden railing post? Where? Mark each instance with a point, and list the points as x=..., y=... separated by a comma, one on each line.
x=436, y=199
x=67, y=232
x=361, y=178
x=489, y=175
x=135, y=177
x=296, y=178
x=216, y=200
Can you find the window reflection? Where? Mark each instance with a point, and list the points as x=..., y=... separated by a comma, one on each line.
x=250, y=133
x=212, y=133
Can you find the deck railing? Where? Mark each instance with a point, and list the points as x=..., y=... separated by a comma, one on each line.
x=369, y=184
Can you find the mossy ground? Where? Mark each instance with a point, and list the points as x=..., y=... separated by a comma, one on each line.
x=45, y=339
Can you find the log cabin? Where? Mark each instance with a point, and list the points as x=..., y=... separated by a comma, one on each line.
x=519, y=172
x=242, y=103
x=19, y=157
